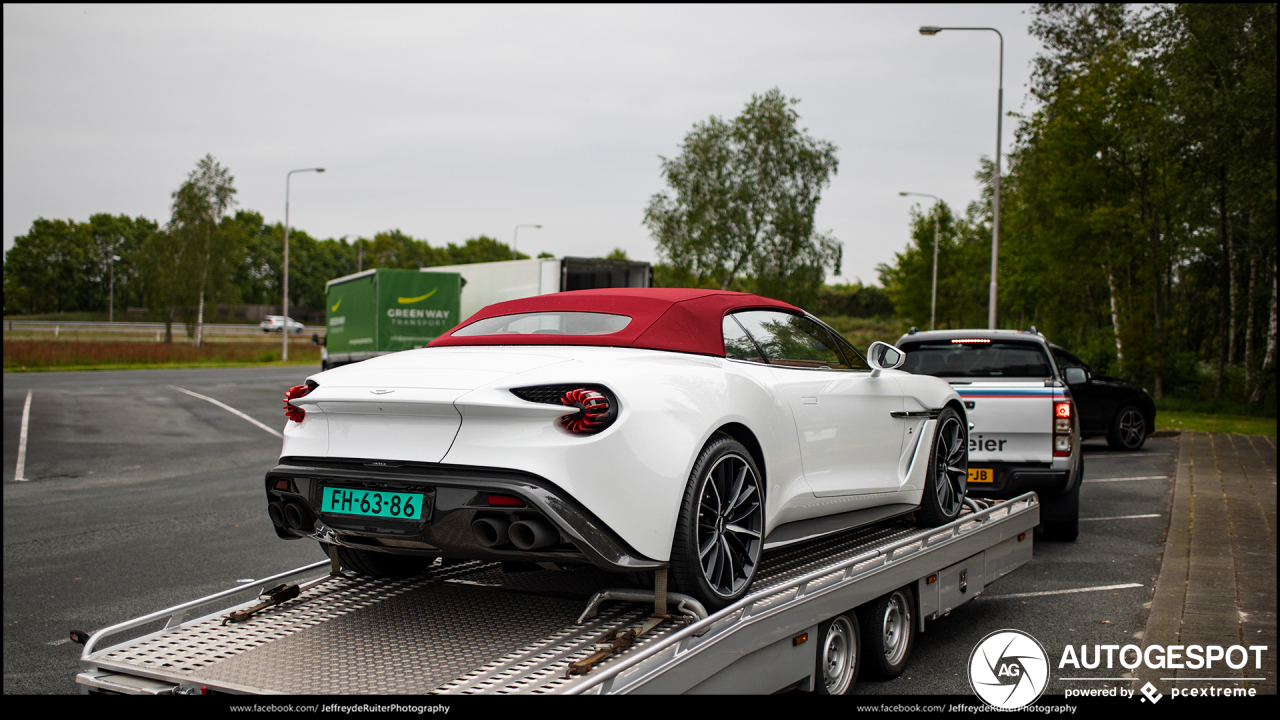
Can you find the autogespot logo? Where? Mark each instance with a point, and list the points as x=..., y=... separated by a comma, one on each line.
x=1008, y=669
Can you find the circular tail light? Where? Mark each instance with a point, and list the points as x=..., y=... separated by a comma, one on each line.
x=594, y=411
x=291, y=411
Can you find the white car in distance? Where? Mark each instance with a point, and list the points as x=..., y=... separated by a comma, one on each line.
x=277, y=323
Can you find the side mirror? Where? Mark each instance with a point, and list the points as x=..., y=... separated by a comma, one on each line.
x=1076, y=376
x=883, y=356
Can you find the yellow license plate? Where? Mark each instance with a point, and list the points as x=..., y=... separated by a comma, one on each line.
x=981, y=475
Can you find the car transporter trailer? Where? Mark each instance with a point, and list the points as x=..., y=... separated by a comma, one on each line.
x=468, y=627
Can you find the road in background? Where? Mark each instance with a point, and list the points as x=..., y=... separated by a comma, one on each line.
x=139, y=497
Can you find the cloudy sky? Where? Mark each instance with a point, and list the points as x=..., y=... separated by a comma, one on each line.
x=452, y=121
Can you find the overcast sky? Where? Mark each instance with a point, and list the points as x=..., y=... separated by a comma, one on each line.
x=452, y=121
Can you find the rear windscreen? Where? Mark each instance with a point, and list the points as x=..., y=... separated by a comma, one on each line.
x=976, y=360
x=547, y=323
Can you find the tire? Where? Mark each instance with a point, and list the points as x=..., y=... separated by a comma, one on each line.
x=720, y=533
x=947, y=476
x=381, y=565
x=1060, y=516
x=836, y=666
x=1128, y=429
x=888, y=633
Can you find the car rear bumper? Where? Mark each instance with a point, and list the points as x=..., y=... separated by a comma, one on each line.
x=1011, y=480
x=456, y=496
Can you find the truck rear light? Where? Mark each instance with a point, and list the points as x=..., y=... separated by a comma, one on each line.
x=1063, y=430
x=291, y=411
x=1062, y=409
x=1061, y=445
x=1062, y=425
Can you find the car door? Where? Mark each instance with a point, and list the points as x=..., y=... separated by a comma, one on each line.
x=849, y=441
x=1092, y=401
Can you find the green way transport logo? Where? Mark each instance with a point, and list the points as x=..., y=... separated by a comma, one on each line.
x=411, y=313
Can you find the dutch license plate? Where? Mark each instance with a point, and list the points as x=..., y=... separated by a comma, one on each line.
x=981, y=475
x=372, y=503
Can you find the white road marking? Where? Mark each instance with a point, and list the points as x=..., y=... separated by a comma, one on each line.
x=228, y=408
x=1126, y=456
x=1123, y=517
x=18, y=475
x=1149, y=477
x=1187, y=678
x=1042, y=593
x=1119, y=678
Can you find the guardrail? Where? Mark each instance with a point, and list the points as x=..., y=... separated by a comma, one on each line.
x=209, y=328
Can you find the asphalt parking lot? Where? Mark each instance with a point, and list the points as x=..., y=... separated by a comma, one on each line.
x=139, y=496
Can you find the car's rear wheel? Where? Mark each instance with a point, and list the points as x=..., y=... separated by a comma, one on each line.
x=837, y=663
x=720, y=533
x=946, y=478
x=1128, y=429
x=888, y=632
x=380, y=565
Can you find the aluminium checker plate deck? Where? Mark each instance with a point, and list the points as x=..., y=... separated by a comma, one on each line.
x=462, y=629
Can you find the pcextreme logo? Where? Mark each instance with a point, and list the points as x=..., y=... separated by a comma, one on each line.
x=1008, y=669
x=410, y=301
x=335, y=306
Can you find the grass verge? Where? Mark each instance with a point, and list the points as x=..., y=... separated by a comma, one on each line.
x=1204, y=422
x=52, y=355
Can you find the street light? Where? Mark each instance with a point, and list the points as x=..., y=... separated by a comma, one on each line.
x=995, y=221
x=285, y=333
x=515, y=234
x=111, y=304
x=937, y=213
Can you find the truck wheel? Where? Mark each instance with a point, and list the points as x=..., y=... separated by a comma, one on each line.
x=836, y=667
x=381, y=565
x=720, y=533
x=889, y=630
x=1128, y=429
x=947, y=475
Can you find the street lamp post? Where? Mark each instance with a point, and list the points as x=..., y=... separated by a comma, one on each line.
x=937, y=213
x=995, y=218
x=111, y=302
x=285, y=331
x=515, y=234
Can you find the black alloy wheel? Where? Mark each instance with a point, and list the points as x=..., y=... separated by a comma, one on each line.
x=948, y=473
x=720, y=534
x=1128, y=430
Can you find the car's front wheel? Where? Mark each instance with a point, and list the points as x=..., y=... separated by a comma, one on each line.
x=1128, y=429
x=946, y=478
x=720, y=534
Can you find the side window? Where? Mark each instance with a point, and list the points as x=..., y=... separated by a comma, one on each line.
x=853, y=357
x=792, y=340
x=737, y=346
x=1065, y=359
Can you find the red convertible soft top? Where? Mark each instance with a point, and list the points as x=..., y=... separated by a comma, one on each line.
x=676, y=319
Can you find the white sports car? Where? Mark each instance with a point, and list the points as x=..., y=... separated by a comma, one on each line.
x=635, y=429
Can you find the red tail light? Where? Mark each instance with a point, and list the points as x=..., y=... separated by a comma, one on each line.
x=1062, y=430
x=505, y=500
x=593, y=414
x=1062, y=409
x=292, y=412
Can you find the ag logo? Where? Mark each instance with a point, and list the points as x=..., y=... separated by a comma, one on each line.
x=1008, y=669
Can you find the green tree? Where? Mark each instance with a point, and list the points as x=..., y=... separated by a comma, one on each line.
x=210, y=254
x=743, y=197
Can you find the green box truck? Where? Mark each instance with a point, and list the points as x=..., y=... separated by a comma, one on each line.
x=382, y=311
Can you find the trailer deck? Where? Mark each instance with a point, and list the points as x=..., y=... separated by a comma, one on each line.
x=470, y=628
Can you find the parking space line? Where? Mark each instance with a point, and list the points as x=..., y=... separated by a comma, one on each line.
x=1042, y=593
x=228, y=408
x=1124, y=517
x=22, y=442
x=1149, y=477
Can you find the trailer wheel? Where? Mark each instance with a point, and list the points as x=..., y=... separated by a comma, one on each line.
x=889, y=631
x=836, y=667
x=720, y=533
x=947, y=476
x=380, y=565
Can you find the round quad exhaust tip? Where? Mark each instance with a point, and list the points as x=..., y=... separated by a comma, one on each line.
x=490, y=532
x=533, y=534
x=276, y=511
x=298, y=517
